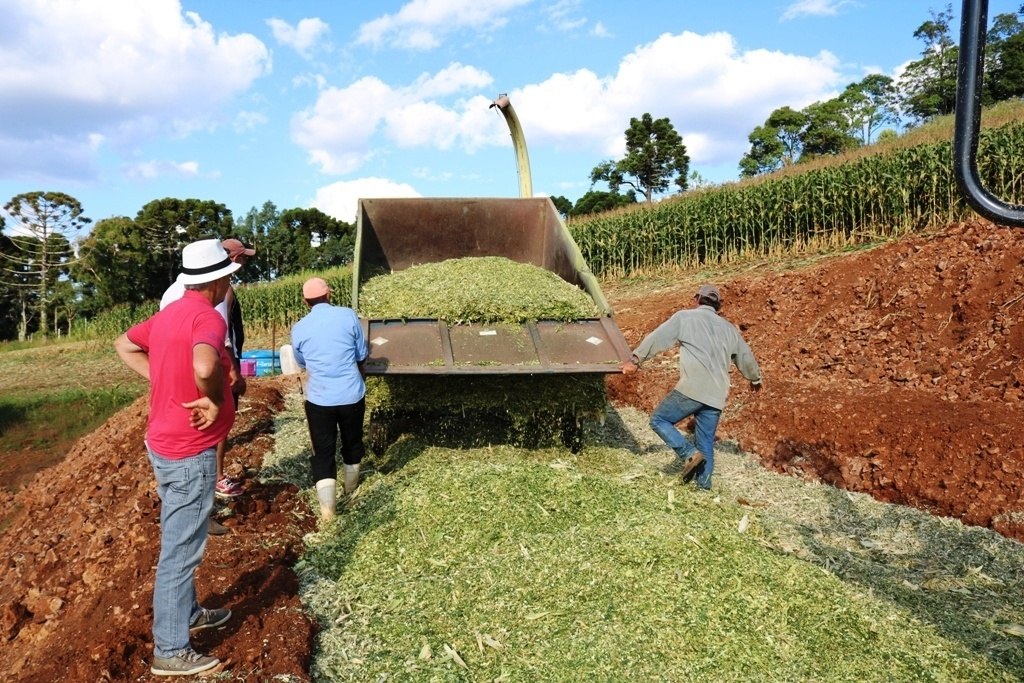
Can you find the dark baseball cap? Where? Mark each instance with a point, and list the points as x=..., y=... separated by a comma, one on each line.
x=711, y=293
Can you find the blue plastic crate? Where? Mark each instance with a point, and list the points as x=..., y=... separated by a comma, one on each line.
x=267, y=362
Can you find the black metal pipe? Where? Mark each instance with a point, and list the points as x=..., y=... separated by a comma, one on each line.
x=970, y=69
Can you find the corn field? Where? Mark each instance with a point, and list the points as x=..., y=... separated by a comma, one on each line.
x=865, y=199
x=871, y=198
x=265, y=306
x=279, y=303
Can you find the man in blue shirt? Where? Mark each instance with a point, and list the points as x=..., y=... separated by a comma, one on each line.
x=330, y=345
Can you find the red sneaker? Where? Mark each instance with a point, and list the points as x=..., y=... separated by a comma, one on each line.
x=228, y=488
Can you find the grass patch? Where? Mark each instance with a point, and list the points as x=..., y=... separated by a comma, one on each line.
x=37, y=431
x=53, y=394
x=55, y=368
x=536, y=565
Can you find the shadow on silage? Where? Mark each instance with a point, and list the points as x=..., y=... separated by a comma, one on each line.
x=962, y=580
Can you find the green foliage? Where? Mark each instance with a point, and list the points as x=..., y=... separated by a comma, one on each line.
x=1004, y=59
x=879, y=196
x=655, y=158
x=530, y=411
x=929, y=84
x=597, y=201
x=112, y=322
x=166, y=226
x=42, y=249
x=477, y=289
x=114, y=266
x=497, y=563
x=562, y=205
x=828, y=129
x=253, y=230
x=775, y=144
x=304, y=240
x=870, y=104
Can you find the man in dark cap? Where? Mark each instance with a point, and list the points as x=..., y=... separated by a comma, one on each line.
x=238, y=253
x=708, y=345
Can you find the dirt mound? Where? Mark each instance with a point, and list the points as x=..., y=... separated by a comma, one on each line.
x=80, y=550
x=895, y=371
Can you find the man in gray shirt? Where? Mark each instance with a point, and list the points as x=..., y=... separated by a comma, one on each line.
x=708, y=345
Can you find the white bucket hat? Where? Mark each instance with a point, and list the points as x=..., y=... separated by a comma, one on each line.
x=205, y=261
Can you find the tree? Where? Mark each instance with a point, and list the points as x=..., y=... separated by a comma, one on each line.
x=827, y=131
x=562, y=205
x=169, y=224
x=655, y=155
x=9, y=294
x=46, y=222
x=308, y=239
x=597, y=201
x=1004, y=58
x=870, y=104
x=118, y=266
x=775, y=144
x=929, y=84
x=254, y=230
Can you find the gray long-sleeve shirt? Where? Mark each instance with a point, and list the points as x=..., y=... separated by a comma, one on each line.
x=709, y=344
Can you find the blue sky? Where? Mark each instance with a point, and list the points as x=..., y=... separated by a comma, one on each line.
x=317, y=103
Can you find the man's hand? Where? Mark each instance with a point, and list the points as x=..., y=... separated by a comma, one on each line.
x=237, y=380
x=204, y=412
x=629, y=367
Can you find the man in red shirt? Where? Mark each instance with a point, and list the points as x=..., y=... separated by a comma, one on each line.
x=180, y=350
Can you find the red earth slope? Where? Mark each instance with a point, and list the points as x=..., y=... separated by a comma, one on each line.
x=896, y=371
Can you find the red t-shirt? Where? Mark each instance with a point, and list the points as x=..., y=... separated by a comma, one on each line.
x=168, y=338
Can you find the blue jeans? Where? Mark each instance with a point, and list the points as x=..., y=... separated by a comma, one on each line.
x=186, y=493
x=676, y=407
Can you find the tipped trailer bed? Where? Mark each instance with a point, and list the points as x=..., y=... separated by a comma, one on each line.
x=395, y=234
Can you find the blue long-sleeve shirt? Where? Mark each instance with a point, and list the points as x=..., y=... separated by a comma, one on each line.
x=328, y=342
x=708, y=345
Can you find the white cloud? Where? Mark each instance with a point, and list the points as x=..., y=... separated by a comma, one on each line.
x=702, y=83
x=713, y=93
x=341, y=199
x=249, y=120
x=814, y=8
x=450, y=80
x=149, y=170
x=423, y=24
x=564, y=15
x=338, y=130
x=302, y=37
x=600, y=31
x=120, y=69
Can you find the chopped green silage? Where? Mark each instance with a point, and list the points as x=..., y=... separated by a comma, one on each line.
x=487, y=289
x=524, y=410
x=579, y=394
x=536, y=565
x=517, y=409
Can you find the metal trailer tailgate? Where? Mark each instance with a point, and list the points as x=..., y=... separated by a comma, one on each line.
x=395, y=234
x=543, y=347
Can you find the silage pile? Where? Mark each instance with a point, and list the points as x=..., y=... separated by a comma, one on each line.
x=525, y=410
x=487, y=289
